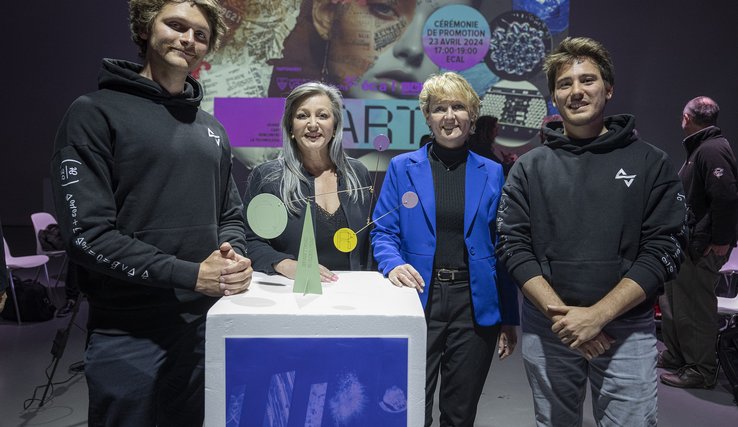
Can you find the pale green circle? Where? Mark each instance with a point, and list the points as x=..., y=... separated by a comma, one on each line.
x=266, y=215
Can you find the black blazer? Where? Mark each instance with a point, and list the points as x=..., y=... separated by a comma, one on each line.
x=265, y=253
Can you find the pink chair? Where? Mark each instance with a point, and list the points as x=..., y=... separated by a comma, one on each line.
x=20, y=263
x=40, y=221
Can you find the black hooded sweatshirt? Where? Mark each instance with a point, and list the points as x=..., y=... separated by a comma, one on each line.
x=585, y=214
x=143, y=191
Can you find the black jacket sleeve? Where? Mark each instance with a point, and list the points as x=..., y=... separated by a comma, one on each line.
x=82, y=182
x=715, y=163
x=663, y=230
x=514, y=247
x=231, y=223
x=262, y=253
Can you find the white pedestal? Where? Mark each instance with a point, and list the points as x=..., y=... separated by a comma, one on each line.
x=353, y=356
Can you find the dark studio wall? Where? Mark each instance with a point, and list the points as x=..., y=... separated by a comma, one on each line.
x=54, y=57
x=665, y=53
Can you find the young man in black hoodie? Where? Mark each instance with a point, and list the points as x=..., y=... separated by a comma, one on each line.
x=591, y=226
x=690, y=312
x=151, y=215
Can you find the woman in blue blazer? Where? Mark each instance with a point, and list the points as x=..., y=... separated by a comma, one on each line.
x=448, y=241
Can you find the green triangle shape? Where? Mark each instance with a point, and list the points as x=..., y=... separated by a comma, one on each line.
x=307, y=277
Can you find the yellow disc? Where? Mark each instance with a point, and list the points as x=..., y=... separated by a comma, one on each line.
x=345, y=240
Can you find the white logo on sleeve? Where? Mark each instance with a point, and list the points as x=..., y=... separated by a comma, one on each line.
x=718, y=172
x=214, y=136
x=627, y=179
x=69, y=172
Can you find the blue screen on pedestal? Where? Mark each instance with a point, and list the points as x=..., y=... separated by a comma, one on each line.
x=281, y=382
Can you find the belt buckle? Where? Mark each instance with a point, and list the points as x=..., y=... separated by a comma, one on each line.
x=445, y=275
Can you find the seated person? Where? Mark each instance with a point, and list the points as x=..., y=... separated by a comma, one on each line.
x=312, y=168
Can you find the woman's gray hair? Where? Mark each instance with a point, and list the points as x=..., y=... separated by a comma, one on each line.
x=292, y=173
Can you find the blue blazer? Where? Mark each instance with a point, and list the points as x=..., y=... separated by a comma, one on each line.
x=408, y=235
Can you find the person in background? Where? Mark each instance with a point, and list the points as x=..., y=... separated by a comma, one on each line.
x=425, y=139
x=689, y=306
x=591, y=226
x=483, y=138
x=544, y=124
x=313, y=168
x=482, y=142
x=151, y=218
x=444, y=248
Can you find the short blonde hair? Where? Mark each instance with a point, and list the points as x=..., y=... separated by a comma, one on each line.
x=449, y=86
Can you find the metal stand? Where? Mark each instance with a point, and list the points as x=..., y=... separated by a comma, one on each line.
x=58, y=346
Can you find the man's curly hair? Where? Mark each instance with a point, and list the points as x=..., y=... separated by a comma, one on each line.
x=143, y=12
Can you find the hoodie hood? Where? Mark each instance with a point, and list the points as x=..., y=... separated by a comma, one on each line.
x=123, y=76
x=620, y=132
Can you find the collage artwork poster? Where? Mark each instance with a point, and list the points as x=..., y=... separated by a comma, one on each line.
x=378, y=53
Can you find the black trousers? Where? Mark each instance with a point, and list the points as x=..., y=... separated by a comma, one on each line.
x=152, y=379
x=689, y=315
x=460, y=350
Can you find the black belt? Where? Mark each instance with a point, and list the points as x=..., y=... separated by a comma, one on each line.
x=449, y=275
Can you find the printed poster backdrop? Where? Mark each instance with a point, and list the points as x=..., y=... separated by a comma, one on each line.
x=313, y=382
x=378, y=52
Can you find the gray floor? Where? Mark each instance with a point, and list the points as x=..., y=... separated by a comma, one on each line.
x=25, y=359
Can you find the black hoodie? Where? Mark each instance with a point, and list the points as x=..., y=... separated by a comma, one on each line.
x=585, y=214
x=143, y=190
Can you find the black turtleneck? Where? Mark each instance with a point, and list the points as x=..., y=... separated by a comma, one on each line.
x=448, y=167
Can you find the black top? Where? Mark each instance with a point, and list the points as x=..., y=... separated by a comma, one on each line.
x=265, y=253
x=449, y=176
x=326, y=225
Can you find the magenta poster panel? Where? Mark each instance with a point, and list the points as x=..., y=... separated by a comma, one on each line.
x=251, y=122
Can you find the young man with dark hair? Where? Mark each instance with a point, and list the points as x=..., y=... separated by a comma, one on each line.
x=690, y=309
x=152, y=218
x=590, y=227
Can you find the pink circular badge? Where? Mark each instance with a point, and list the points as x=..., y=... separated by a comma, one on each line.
x=456, y=37
x=381, y=142
x=409, y=199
